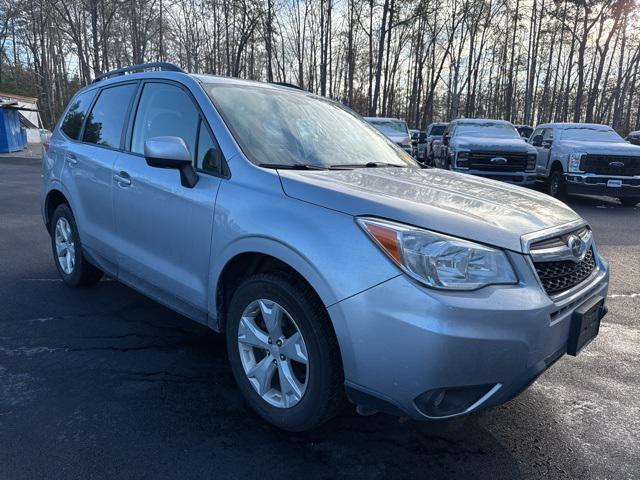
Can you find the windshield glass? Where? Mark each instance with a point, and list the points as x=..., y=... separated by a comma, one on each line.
x=389, y=127
x=288, y=128
x=487, y=129
x=591, y=134
x=437, y=130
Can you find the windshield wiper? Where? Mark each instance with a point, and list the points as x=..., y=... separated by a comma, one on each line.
x=291, y=166
x=338, y=166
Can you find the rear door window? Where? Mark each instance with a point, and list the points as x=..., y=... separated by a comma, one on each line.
x=106, y=121
x=74, y=118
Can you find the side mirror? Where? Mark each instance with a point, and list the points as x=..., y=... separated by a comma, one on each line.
x=172, y=153
x=445, y=139
x=547, y=143
x=537, y=141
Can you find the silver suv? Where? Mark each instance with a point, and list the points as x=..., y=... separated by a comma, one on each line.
x=335, y=266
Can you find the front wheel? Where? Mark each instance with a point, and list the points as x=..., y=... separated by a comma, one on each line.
x=556, y=186
x=629, y=201
x=283, y=352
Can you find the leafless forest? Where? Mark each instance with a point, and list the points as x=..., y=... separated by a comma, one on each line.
x=528, y=61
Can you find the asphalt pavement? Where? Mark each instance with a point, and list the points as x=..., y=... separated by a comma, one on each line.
x=103, y=383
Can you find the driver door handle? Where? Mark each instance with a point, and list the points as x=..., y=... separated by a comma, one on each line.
x=123, y=179
x=71, y=159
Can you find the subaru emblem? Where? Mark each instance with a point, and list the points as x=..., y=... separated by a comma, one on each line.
x=577, y=246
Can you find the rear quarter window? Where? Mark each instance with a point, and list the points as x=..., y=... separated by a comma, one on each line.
x=76, y=113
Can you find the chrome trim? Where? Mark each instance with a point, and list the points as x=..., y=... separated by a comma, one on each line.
x=558, y=254
x=598, y=175
x=564, y=298
x=527, y=239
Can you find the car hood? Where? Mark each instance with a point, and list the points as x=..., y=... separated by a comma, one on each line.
x=469, y=207
x=493, y=144
x=607, y=148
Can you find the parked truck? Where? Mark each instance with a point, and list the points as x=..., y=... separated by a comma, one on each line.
x=488, y=148
x=587, y=158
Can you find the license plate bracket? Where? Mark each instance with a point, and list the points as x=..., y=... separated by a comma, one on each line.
x=585, y=324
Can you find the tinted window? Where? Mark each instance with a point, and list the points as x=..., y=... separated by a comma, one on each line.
x=78, y=107
x=437, y=130
x=106, y=120
x=209, y=156
x=165, y=110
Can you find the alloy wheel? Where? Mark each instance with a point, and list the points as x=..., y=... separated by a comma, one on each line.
x=65, y=246
x=273, y=353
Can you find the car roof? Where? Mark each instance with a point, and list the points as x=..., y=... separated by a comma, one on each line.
x=565, y=125
x=178, y=76
x=481, y=120
x=383, y=119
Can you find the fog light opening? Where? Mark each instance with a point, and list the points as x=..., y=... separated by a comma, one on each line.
x=446, y=402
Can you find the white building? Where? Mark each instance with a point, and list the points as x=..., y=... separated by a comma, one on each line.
x=29, y=115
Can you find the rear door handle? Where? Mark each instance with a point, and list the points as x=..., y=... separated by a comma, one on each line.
x=123, y=179
x=71, y=159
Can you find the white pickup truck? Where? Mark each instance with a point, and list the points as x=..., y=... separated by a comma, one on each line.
x=587, y=158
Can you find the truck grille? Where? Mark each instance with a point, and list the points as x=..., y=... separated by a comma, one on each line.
x=557, y=277
x=516, y=162
x=610, y=165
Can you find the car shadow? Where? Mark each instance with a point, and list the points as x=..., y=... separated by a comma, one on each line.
x=113, y=380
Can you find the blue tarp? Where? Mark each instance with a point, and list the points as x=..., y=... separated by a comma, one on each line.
x=12, y=135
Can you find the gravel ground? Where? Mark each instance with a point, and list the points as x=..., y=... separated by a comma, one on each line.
x=104, y=383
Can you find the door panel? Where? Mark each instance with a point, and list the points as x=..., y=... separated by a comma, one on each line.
x=164, y=229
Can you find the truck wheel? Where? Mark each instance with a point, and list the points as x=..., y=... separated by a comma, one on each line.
x=74, y=269
x=283, y=352
x=629, y=201
x=556, y=184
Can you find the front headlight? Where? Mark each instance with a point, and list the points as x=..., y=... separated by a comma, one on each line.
x=462, y=160
x=531, y=161
x=438, y=260
x=574, y=162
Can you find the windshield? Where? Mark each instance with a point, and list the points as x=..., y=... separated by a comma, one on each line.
x=591, y=134
x=389, y=127
x=291, y=128
x=437, y=130
x=487, y=129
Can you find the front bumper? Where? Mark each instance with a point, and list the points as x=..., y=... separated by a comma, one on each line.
x=517, y=178
x=590, y=184
x=402, y=343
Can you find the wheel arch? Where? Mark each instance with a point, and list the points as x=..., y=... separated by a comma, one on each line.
x=55, y=197
x=260, y=255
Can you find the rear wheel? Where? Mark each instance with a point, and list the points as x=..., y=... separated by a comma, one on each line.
x=629, y=201
x=283, y=352
x=74, y=269
x=556, y=185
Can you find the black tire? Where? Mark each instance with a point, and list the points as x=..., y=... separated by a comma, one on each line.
x=556, y=186
x=324, y=396
x=83, y=273
x=629, y=201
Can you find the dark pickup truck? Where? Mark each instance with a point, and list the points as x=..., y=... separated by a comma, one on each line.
x=488, y=148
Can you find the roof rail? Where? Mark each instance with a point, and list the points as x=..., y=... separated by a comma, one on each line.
x=169, y=67
x=285, y=84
